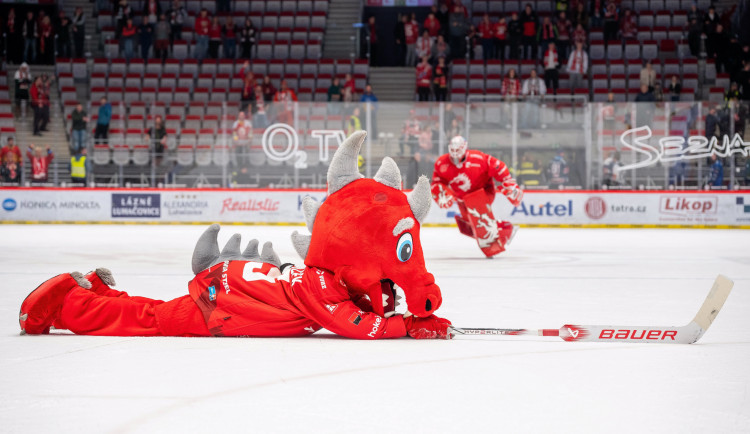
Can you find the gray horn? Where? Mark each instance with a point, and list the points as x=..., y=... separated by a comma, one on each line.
x=420, y=199
x=268, y=255
x=251, y=251
x=206, y=249
x=301, y=243
x=343, y=168
x=231, y=250
x=388, y=174
x=310, y=208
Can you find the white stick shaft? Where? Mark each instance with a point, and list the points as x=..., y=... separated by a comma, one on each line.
x=686, y=334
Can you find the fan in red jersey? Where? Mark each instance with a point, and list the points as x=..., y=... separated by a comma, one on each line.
x=468, y=178
x=346, y=286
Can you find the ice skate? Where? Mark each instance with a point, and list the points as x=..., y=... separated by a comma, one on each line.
x=42, y=306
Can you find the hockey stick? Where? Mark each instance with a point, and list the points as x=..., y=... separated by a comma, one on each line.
x=686, y=334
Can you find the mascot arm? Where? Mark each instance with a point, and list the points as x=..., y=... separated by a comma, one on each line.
x=350, y=321
x=362, y=302
x=324, y=301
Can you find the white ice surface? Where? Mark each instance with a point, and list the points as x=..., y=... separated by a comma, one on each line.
x=548, y=277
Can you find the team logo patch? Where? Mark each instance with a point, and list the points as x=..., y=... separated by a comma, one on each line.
x=462, y=182
x=595, y=207
x=355, y=319
x=212, y=293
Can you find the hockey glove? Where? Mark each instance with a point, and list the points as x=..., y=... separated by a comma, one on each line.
x=512, y=191
x=432, y=327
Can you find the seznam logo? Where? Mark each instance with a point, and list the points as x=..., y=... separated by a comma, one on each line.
x=595, y=208
x=689, y=205
x=9, y=204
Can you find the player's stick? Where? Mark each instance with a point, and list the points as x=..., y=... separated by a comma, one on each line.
x=686, y=334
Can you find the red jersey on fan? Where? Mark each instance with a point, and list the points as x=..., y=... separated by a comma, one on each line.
x=424, y=75
x=486, y=29
x=238, y=298
x=411, y=30
x=477, y=171
x=202, y=25
x=432, y=25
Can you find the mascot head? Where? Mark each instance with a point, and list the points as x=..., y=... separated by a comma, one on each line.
x=367, y=232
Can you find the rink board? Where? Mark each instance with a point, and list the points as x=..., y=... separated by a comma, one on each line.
x=544, y=208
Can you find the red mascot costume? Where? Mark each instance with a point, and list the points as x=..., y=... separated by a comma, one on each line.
x=364, y=242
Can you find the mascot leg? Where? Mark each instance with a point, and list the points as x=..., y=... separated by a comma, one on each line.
x=87, y=313
x=102, y=281
x=67, y=302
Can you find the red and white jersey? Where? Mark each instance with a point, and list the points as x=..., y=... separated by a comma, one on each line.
x=478, y=171
x=238, y=298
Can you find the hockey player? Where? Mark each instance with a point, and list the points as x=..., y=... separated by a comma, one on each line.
x=365, y=241
x=468, y=178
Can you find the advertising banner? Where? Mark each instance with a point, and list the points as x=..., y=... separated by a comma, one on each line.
x=550, y=208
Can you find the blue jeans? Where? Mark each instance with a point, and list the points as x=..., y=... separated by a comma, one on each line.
x=260, y=120
x=29, y=43
x=145, y=47
x=79, y=140
x=128, y=48
x=230, y=48
x=201, y=47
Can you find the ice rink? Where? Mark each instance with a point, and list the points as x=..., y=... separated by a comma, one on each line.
x=549, y=277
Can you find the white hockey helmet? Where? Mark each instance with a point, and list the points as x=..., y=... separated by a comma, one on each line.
x=457, y=148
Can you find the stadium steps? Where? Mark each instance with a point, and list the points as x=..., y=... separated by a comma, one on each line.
x=339, y=41
x=390, y=85
x=56, y=137
x=393, y=83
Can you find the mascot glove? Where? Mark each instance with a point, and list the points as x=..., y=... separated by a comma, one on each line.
x=432, y=327
x=512, y=191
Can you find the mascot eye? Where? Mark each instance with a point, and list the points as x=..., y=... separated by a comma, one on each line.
x=404, y=248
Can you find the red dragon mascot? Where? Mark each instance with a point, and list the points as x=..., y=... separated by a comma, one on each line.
x=364, y=243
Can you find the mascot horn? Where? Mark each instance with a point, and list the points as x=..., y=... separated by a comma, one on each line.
x=367, y=232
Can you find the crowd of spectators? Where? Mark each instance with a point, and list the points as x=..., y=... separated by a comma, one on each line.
x=557, y=42
x=151, y=32
x=11, y=162
x=37, y=37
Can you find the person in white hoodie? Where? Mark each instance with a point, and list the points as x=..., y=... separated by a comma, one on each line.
x=533, y=90
x=578, y=63
x=23, y=83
